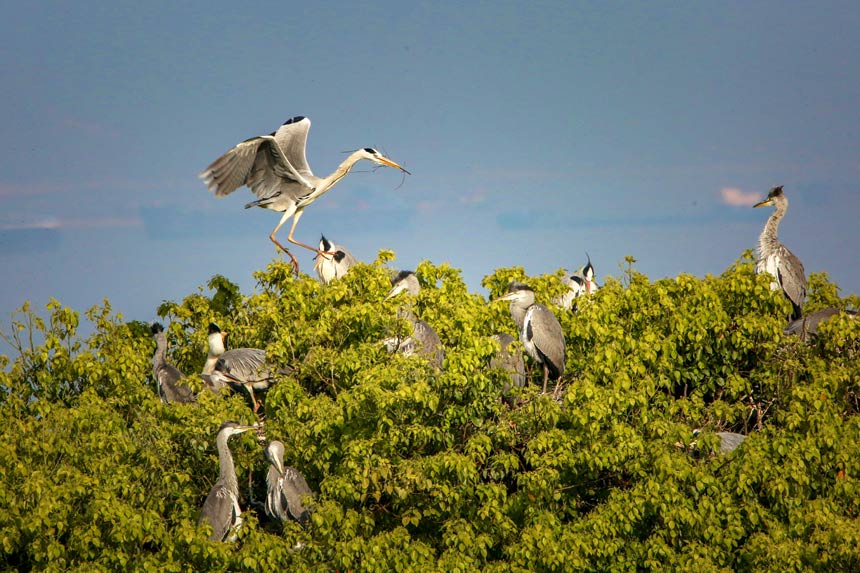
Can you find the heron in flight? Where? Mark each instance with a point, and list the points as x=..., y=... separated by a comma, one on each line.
x=540, y=332
x=287, y=489
x=778, y=261
x=274, y=167
x=172, y=385
x=221, y=509
x=330, y=267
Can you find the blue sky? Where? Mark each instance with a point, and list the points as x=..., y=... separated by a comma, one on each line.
x=534, y=131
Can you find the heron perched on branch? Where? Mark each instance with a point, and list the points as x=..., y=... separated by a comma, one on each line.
x=807, y=326
x=404, y=281
x=238, y=368
x=423, y=341
x=287, y=492
x=540, y=331
x=330, y=267
x=275, y=168
x=171, y=382
x=221, y=509
x=778, y=261
x=578, y=283
x=509, y=360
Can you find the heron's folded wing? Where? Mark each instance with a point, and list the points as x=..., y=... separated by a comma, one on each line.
x=792, y=277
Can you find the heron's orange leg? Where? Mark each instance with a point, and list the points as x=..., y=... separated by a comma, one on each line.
x=290, y=238
x=293, y=259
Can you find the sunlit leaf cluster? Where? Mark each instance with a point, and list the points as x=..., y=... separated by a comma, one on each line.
x=423, y=470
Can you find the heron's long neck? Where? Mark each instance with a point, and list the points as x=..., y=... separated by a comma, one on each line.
x=338, y=174
x=160, y=356
x=225, y=462
x=518, y=313
x=768, y=241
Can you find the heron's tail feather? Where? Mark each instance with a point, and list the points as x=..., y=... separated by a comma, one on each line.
x=259, y=202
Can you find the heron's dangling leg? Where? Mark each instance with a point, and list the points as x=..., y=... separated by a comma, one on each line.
x=290, y=238
x=293, y=259
x=545, y=377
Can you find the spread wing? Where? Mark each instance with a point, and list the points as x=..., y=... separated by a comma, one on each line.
x=258, y=163
x=292, y=137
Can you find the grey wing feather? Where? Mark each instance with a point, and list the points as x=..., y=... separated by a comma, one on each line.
x=170, y=384
x=792, y=276
x=292, y=139
x=548, y=337
x=219, y=512
x=510, y=361
x=430, y=345
x=729, y=441
x=258, y=163
x=245, y=364
x=296, y=490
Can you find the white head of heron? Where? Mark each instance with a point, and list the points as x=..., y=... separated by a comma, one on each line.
x=216, y=340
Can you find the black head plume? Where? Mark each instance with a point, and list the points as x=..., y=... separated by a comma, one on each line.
x=213, y=328
x=400, y=276
x=156, y=328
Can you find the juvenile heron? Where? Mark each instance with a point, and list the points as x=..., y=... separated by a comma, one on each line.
x=508, y=360
x=171, y=382
x=578, y=283
x=404, y=281
x=540, y=331
x=221, y=509
x=422, y=342
x=275, y=168
x=330, y=267
x=807, y=326
x=287, y=489
x=775, y=259
x=238, y=368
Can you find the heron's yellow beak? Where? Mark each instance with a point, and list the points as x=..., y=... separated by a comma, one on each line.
x=763, y=203
x=509, y=296
x=388, y=162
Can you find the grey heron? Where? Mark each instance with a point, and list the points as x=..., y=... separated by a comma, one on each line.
x=807, y=326
x=221, y=509
x=288, y=494
x=540, y=331
x=729, y=441
x=776, y=259
x=422, y=342
x=171, y=382
x=404, y=281
x=578, y=283
x=275, y=168
x=330, y=267
x=508, y=360
x=238, y=368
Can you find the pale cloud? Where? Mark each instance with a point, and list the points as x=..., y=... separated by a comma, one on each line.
x=474, y=197
x=737, y=198
x=74, y=223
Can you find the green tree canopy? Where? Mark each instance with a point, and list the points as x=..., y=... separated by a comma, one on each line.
x=419, y=470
